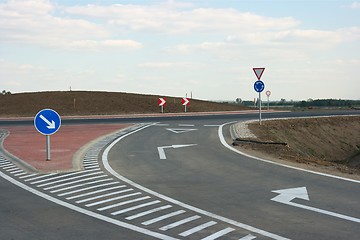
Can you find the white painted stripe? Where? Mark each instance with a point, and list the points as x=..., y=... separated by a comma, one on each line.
x=39, y=177
x=17, y=171
x=20, y=174
x=77, y=181
x=97, y=191
x=91, y=164
x=10, y=168
x=184, y=205
x=197, y=228
x=112, y=199
x=104, y=195
x=91, y=167
x=82, y=184
x=178, y=223
x=61, y=176
x=248, y=237
x=148, y=212
x=68, y=179
x=209, y=125
x=135, y=207
x=87, y=188
x=27, y=176
x=163, y=217
x=5, y=164
x=87, y=212
x=222, y=140
x=219, y=234
x=123, y=203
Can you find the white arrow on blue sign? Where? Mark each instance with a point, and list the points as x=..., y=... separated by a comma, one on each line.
x=259, y=86
x=47, y=121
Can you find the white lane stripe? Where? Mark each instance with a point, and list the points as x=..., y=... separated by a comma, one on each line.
x=68, y=179
x=87, y=188
x=163, y=217
x=61, y=176
x=87, y=212
x=39, y=177
x=17, y=171
x=219, y=234
x=97, y=191
x=112, y=199
x=10, y=167
x=197, y=228
x=20, y=174
x=79, y=185
x=77, y=181
x=135, y=207
x=178, y=223
x=27, y=176
x=6, y=165
x=104, y=195
x=186, y=125
x=148, y=212
x=248, y=237
x=123, y=203
x=90, y=167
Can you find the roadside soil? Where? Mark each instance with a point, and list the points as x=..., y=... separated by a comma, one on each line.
x=327, y=144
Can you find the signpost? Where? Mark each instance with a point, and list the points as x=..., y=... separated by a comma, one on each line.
x=268, y=93
x=47, y=122
x=162, y=103
x=259, y=86
x=185, y=102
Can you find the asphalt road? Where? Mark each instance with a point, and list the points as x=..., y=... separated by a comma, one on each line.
x=205, y=183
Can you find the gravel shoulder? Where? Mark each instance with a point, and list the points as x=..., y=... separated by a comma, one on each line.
x=326, y=144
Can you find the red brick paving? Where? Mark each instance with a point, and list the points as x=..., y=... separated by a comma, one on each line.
x=26, y=143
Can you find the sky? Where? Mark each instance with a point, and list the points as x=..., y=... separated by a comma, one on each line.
x=206, y=49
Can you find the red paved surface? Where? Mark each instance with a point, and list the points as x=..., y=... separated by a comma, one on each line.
x=29, y=145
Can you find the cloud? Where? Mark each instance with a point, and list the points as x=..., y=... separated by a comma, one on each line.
x=35, y=22
x=171, y=20
x=355, y=5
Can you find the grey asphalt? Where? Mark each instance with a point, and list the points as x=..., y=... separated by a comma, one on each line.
x=211, y=177
x=207, y=176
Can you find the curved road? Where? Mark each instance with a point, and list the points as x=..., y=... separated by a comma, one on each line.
x=211, y=191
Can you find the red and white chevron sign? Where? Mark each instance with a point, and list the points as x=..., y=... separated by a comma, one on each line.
x=162, y=101
x=185, y=101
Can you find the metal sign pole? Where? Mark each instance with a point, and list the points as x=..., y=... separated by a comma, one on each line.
x=47, y=147
x=268, y=102
x=162, y=108
x=185, y=108
x=259, y=108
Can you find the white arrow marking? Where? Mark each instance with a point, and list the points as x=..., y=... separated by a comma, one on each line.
x=287, y=195
x=162, y=152
x=51, y=125
x=179, y=130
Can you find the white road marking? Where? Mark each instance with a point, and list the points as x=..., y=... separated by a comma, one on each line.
x=197, y=228
x=113, y=199
x=135, y=207
x=181, y=130
x=62, y=176
x=87, y=212
x=77, y=181
x=97, y=191
x=178, y=223
x=123, y=203
x=162, y=152
x=248, y=237
x=219, y=234
x=68, y=179
x=79, y=185
x=287, y=195
x=148, y=212
x=163, y=217
x=104, y=195
x=186, y=125
x=39, y=177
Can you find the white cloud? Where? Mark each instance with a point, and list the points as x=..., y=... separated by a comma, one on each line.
x=163, y=19
x=355, y=5
x=33, y=22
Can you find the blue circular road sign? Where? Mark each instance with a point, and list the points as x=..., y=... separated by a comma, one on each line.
x=259, y=86
x=47, y=121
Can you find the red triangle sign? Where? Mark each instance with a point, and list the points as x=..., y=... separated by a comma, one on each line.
x=258, y=72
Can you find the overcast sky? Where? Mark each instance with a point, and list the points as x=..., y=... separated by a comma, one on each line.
x=310, y=49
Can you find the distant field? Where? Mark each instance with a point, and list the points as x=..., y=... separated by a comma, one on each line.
x=99, y=103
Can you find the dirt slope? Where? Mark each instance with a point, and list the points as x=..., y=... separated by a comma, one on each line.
x=332, y=143
x=98, y=103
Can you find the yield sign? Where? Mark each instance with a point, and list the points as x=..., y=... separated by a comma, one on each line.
x=258, y=72
x=185, y=101
x=162, y=101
